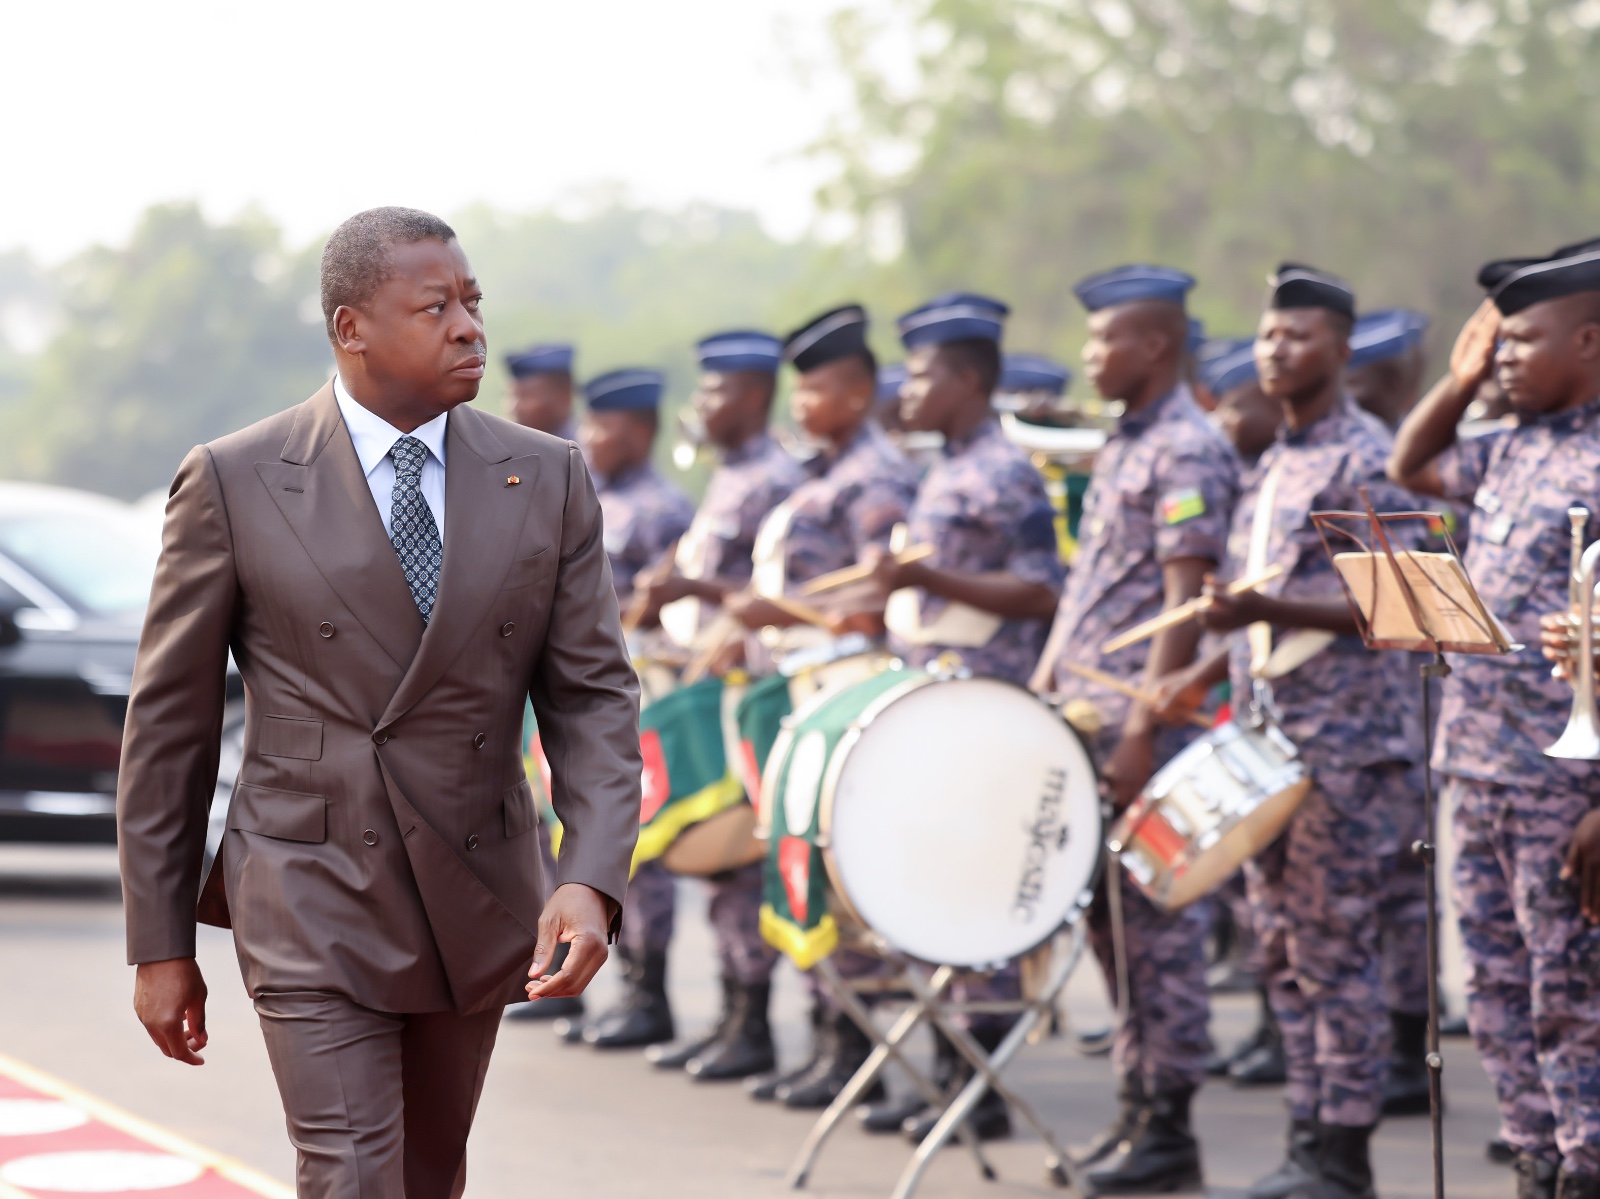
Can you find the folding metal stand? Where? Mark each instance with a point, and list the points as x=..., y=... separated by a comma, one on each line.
x=929, y=1005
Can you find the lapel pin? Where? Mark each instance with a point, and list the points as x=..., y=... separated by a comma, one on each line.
x=513, y=480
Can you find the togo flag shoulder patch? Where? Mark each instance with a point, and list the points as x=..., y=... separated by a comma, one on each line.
x=1184, y=504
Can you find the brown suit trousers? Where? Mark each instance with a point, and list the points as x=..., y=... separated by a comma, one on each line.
x=379, y=853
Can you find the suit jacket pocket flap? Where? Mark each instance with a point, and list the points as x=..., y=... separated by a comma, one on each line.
x=529, y=570
x=520, y=810
x=287, y=815
x=290, y=737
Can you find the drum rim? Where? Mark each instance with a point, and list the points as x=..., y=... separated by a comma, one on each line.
x=922, y=677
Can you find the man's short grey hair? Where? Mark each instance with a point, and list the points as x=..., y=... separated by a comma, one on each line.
x=357, y=258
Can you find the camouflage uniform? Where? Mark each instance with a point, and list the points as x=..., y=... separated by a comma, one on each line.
x=1163, y=488
x=1350, y=711
x=1533, y=999
x=748, y=484
x=983, y=507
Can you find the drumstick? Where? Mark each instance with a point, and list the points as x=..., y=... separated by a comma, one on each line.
x=835, y=579
x=1173, y=617
x=1147, y=698
x=797, y=610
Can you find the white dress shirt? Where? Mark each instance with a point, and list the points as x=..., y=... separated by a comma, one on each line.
x=374, y=437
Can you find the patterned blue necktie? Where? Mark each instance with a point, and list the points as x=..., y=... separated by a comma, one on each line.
x=411, y=526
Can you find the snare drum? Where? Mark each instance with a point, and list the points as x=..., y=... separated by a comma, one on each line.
x=1221, y=801
x=956, y=818
x=838, y=663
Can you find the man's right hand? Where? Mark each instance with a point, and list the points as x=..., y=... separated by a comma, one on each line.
x=1179, y=695
x=170, y=1000
x=1472, y=357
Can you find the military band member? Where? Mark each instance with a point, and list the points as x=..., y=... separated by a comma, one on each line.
x=1248, y=416
x=1316, y=893
x=1526, y=834
x=988, y=591
x=715, y=559
x=541, y=389
x=1384, y=374
x=1155, y=524
x=860, y=488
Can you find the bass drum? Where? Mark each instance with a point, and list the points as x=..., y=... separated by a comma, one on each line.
x=959, y=819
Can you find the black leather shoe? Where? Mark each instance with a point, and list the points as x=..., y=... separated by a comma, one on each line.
x=1405, y=1083
x=678, y=1054
x=891, y=1114
x=1266, y=1031
x=745, y=1046
x=1536, y=1176
x=1299, y=1165
x=1262, y=1066
x=1344, y=1164
x=1159, y=1157
x=848, y=1048
x=990, y=1120
x=1577, y=1186
x=644, y=1017
x=569, y=1030
x=765, y=1087
x=1501, y=1153
x=562, y=1007
x=1131, y=1100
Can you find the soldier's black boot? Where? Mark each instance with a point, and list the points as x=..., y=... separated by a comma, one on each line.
x=764, y=1087
x=1344, y=1164
x=1299, y=1164
x=1160, y=1156
x=1405, y=1085
x=1263, y=1063
x=847, y=1049
x=644, y=1017
x=1578, y=1186
x=990, y=1118
x=892, y=1114
x=571, y=1028
x=1131, y=1100
x=745, y=1047
x=560, y=1007
x=676, y=1055
x=1536, y=1176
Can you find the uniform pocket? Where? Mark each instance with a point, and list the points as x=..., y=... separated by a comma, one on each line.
x=286, y=815
x=290, y=737
x=527, y=571
x=520, y=813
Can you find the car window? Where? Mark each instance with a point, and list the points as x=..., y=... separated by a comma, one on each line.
x=99, y=560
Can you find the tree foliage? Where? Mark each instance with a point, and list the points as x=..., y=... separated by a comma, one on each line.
x=1397, y=142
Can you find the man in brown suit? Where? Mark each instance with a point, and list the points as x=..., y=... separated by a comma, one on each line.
x=393, y=571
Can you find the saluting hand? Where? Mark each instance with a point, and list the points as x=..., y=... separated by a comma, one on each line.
x=1472, y=357
x=1583, y=864
x=576, y=915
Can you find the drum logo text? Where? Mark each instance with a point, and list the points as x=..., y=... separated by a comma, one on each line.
x=1047, y=832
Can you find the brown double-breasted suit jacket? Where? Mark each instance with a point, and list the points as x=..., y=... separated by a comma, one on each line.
x=379, y=841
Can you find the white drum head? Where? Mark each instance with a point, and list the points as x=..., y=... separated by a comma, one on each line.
x=963, y=825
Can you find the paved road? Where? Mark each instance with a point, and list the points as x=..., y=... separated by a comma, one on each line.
x=558, y=1120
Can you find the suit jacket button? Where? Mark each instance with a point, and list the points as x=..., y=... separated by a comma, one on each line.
x=325, y=629
x=505, y=629
x=370, y=837
x=479, y=741
x=472, y=841
x=379, y=738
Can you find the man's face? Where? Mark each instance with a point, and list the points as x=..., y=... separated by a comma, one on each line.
x=1249, y=418
x=542, y=402
x=832, y=399
x=730, y=403
x=1298, y=351
x=421, y=335
x=1119, y=353
x=935, y=390
x=615, y=441
x=1547, y=354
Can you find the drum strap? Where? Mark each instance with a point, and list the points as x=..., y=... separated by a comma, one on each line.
x=1301, y=645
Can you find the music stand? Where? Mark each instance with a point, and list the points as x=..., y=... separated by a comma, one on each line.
x=1439, y=611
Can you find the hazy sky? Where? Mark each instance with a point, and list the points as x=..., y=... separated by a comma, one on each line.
x=313, y=110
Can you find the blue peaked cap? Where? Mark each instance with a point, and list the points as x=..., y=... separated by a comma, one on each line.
x=958, y=316
x=1033, y=372
x=554, y=358
x=632, y=389
x=740, y=350
x=1378, y=336
x=1132, y=284
x=1224, y=363
x=889, y=380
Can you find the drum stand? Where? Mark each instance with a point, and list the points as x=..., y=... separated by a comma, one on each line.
x=930, y=1005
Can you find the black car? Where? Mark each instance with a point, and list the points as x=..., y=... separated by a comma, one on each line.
x=75, y=572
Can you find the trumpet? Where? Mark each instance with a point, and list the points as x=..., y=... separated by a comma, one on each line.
x=691, y=438
x=1581, y=740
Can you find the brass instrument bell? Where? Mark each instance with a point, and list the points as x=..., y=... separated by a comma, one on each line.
x=1581, y=740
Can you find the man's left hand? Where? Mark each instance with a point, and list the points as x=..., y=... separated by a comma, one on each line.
x=1128, y=768
x=1583, y=864
x=577, y=915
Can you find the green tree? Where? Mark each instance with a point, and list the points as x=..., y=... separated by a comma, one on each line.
x=188, y=332
x=1397, y=142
